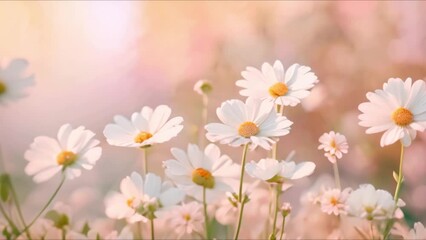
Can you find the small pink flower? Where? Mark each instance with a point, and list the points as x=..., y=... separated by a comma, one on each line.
x=333, y=201
x=334, y=145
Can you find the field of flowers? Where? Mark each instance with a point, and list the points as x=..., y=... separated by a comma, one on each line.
x=212, y=120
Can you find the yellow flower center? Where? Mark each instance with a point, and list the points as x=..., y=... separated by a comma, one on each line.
x=2, y=87
x=142, y=136
x=66, y=158
x=248, y=129
x=278, y=89
x=130, y=202
x=333, y=144
x=402, y=117
x=186, y=217
x=334, y=201
x=203, y=177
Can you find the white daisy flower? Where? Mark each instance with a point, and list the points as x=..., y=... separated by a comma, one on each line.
x=272, y=170
x=139, y=200
x=254, y=122
x=334, y=145
x=13, y=81
x=371, y=204
x=195, y=169
x=333, y=201
x=145, y=128
x=185, y=219
x=203, y=87
x=418, y=232
x=73, y=150
x=273, y=83
x=399, y=110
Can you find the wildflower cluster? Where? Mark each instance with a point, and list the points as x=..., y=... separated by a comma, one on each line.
x=202, y=190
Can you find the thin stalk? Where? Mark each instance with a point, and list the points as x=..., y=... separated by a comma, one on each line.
x=18, y=208
x=282, y=228
x=280, y=110
x=152, y=228
x=390, y=222
x=139, y=230
x=206, y=218
x=372, y=230
x=145, y=161
x=276, y=201
x=243, y=164
x=204, y=113
x=240, y=191
x=45, y=206
x=336, y=176
x=15, y=230
x=240, y=217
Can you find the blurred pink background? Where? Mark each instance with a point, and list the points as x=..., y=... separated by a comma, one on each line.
x=93, y=60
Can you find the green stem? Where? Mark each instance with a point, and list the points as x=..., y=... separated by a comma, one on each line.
x=336, y=176
x=152, y=228
x=15, y=230
x=282, y=228
x=243, y=164
x=206, y=218
x=240, y=218
x=391, y=221
x=240, y=191
x=139, y=230
x=145, y=161
x=204, y=113
x=46, y=205
x=276, y=201
x=18, y=208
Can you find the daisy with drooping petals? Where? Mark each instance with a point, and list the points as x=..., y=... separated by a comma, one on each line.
x=196, y=169
x=13, y=81
x=254, y=122
x=73, y=150
x=272, y=170
x=333, y=201
x=140, y=199
x=334, y=145
x=399, y=110
x=185, y=219
x=145, y=128
x=273, y=83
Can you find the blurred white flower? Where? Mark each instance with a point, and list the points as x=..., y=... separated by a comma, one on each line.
x=254, y=122
x=13, y=82
x=272, y=170
x=399, y=110
x=145, y=128
x=203, y=87
x=418, y=232
x=371, y=204
x=334, y=145
x=73, y=150
x=333, y=201
x=125, y=234
x=273, y=83
x=195, y=169
x=139, y=199
x=185, y=219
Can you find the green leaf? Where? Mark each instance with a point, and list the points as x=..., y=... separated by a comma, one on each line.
x=60, y=220
x=6, y=234
x=4, y=187
x=86, y=229
x=395, y=176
